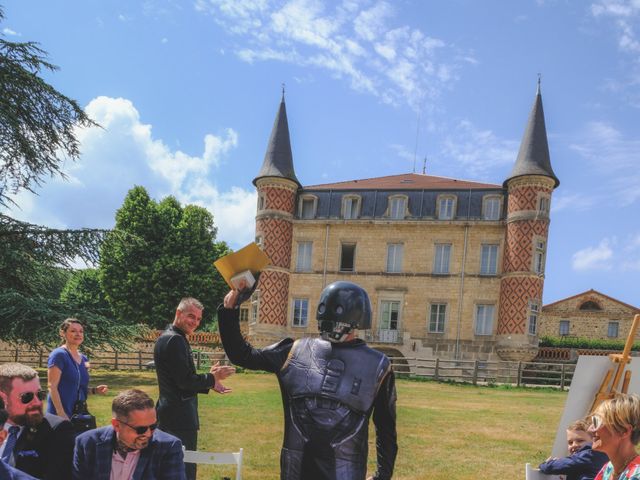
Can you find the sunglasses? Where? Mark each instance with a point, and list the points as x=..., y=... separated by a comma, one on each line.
x=142, y=429
x=27, y=397
x=596, y=422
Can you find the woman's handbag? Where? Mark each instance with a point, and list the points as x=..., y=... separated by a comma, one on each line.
x=81, y=419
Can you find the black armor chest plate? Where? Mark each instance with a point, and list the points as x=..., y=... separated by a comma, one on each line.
x=348, y=374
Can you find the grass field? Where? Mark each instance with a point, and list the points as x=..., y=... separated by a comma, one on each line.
x=444, y=431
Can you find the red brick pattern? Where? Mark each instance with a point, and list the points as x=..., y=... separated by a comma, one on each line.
x=277, y=234
x=525, y=197
x=279, y=199
x=274, y=292
x=515, y=294
x=519, y=244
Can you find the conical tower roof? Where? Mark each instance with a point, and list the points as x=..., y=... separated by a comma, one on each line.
x=278, y=161
x=533, y=157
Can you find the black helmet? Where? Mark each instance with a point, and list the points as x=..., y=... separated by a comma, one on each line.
x=343, y=306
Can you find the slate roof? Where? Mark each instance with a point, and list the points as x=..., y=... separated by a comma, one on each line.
x=406, y=181
x=533, y=157
x=278, y=161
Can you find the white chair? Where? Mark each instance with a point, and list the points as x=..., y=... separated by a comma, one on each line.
x=535, y=474
x=208, y=458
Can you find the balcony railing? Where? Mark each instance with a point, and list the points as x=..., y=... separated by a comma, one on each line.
x=384, y=335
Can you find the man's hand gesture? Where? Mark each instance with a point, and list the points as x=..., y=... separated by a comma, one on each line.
x=220, y=372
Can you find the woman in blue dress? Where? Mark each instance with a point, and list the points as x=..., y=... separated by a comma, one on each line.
x=68, y=371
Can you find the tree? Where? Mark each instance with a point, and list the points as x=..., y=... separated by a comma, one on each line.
x=36, y=121
x=83, y=290
x=144, y=282
x=37, y=132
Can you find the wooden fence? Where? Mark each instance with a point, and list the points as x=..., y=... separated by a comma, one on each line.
x=469, y=371
x=487, y=373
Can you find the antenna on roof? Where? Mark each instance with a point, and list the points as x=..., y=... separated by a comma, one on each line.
x=424, y=165
x=415, y=150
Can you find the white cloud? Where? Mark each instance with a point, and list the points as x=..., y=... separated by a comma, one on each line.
x=398, y=64
x=478, y=151
x=615, y=158
x=594, y=258
x=8, y=31
x=124, y=153
x=572, y=201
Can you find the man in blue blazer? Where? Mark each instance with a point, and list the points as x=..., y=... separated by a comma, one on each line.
x=131, y=448
x=7, y=472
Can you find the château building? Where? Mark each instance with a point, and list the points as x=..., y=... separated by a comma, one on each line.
x=454, y=268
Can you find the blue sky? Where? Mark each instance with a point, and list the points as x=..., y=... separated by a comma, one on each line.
x=187, y=92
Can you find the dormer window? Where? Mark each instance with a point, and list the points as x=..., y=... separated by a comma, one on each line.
x=397, y=207
x=491, y=208
x=350, y=207
x=446, y=207
x=307, y=207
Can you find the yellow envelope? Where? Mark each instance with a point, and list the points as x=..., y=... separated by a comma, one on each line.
x=247, y=258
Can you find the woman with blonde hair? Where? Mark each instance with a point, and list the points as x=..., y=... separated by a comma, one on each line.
x=68, y=371
x=615, y=426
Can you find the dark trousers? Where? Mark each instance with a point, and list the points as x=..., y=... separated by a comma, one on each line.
x=189, y=439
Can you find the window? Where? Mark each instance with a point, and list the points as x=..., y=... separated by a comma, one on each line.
x=351, y=207
x=394, y=258
x=533, y=317
x=436, y=317
x=307, y=207
x=484, y=319
x=491, y=210
x=442, y=257
x=489, y=260
x=260, y=201
x=300, y=312
x=255, y=308
x=389, y=314
x=538, y=257
x=244, y=314
x=347, y=257
x=543, y=205
x=446, y=208
x=564, y=328
x=590, y=305
x=612, y=330
x=397, y=207
x=303, y=263
x=259, y=241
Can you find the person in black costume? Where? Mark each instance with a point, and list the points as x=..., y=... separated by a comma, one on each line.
x=330, y=388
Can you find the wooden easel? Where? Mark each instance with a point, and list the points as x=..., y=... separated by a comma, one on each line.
x=608, y=390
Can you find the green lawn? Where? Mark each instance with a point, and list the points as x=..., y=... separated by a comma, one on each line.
x=444, y=431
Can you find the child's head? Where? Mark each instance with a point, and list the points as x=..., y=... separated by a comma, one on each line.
x=578, y=436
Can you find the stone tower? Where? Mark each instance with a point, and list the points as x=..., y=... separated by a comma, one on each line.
x=277, y=187
x=529, y=189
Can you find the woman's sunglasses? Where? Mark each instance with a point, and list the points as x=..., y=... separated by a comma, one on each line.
x=27, y=397
x=142, y=429
x=596, y=421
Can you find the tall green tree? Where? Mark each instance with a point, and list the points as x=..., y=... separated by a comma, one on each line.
x=144, y=282
x=37, y=123
x=37, y=133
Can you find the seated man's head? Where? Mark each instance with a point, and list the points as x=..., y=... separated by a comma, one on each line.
x=134, y=419
x=343, y=307
x=21, y=394
x=578, y=436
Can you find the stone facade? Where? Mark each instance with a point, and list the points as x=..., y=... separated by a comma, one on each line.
x=452, y=267
x=591, y=315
